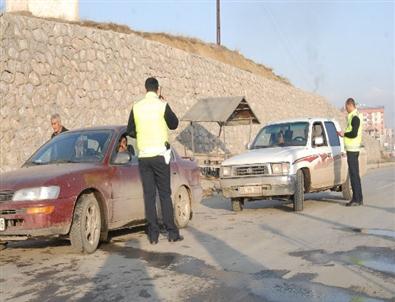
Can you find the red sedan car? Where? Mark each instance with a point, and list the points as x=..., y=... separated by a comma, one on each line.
x=79, y=185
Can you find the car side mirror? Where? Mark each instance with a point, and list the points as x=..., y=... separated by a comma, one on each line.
x=122, y=158
x=248, y=146
x=318, y=141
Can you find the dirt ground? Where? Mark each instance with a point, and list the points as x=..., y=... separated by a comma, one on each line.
x=328, y=252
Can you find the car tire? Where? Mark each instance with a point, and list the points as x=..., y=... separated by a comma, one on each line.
x=298, y=197
x=347, y=189
x=86, y=225
x=182, y=207
x=3, y=245
x=237, y=204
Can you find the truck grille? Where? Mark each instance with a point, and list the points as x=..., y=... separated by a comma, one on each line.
x=6, y=195
x=7, y=212
x=251, y=170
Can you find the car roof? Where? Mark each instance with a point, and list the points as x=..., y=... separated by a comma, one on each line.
x=106, y=127
x=303, y=119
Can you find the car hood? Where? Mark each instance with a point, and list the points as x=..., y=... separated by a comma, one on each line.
x=33, y=176
x=264, y=155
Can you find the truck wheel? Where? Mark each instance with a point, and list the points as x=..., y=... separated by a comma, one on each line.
x=86, y=226
x=298, y=197
x=237, y=204
x=347, y=189
x=182, y=207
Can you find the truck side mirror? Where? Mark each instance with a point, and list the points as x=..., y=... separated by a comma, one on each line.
x=318, y=141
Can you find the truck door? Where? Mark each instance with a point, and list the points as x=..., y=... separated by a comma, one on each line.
x=322, y=174
x=337, y=162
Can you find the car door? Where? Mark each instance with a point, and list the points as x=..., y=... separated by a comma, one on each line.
x=127, y=190
x=337, y=162
x=322, y=170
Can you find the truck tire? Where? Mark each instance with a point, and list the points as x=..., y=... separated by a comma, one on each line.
x=237, y=204
x=347, y=189
x=182, y=207
x=298, y=197
x=86, y=225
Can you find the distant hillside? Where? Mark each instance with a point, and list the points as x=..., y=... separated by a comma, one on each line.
x=196, y=46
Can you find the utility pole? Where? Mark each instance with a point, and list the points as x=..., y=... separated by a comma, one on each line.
x=218, y=23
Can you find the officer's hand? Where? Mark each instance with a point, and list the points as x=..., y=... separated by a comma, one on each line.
x=340, y=133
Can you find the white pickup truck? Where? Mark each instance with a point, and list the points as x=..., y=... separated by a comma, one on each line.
x=288, y=159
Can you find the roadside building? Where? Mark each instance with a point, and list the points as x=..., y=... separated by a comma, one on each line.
x=374, y=126
x=373, y=121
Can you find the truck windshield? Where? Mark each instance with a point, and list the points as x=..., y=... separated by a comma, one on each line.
x=73, y=147
x=282, y=135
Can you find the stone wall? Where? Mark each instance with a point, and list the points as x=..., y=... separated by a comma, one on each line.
x=91, y=77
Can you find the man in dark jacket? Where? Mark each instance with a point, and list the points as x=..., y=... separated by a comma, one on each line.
x=352, y=143
x=149, y=122
x=57, y=126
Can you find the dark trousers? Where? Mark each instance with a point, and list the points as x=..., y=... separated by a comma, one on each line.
x=353, y=171
x=155, y=174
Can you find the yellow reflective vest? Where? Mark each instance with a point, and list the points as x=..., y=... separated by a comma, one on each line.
x=353, y=144
x=151, y=127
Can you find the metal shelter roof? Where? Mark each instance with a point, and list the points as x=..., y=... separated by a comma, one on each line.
x=226, y=111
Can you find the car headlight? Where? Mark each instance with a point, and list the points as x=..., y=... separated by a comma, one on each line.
x=280, y=168
x=226, y=171
x=39, y=193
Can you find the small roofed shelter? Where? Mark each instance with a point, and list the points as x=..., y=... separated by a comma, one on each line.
x=226, y=111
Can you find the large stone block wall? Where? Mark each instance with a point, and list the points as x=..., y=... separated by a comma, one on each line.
x=92, y=77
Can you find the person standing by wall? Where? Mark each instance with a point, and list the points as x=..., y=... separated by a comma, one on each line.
x=352, y=142
x=149, y=121
x=57, y=126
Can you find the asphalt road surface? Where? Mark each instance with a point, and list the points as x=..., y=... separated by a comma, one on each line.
x=328, y=252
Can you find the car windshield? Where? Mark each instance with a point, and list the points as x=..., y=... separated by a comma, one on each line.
x=282, y=135
x=73, y=147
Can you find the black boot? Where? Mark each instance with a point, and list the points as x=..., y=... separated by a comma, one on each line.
x=352, y=203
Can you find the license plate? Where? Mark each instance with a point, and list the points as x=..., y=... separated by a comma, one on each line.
x=2, y=224
x=250, y=190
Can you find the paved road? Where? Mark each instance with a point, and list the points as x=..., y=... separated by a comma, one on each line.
x=265, y=253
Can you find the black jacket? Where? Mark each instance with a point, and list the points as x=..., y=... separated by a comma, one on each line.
x=64, y=129
x=355, y=123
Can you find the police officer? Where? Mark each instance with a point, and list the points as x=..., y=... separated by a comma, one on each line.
x=149, y=121
x=352, y=142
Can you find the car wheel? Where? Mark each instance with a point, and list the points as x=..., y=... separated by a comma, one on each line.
x=86, y=226
x=3, y=245
x=237, y=204
x=298, y=197
x=347, y=189
x=182, y=207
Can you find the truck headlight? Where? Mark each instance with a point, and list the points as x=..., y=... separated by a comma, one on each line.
x=39, y=193
x=280, y=168
x=226, y=171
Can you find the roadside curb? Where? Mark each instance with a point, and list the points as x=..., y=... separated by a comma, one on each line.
x=380, y=165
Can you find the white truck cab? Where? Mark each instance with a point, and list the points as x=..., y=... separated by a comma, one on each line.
x=286, y=160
